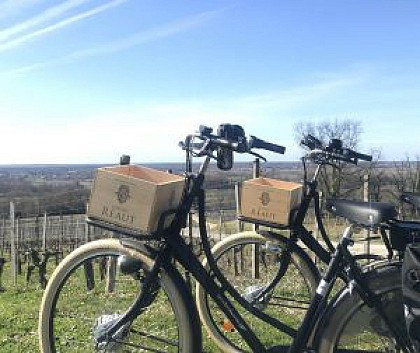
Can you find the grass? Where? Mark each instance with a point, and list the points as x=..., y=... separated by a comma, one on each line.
x=19, y=316
x=19, y=306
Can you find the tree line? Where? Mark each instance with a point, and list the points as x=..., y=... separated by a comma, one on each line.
x=68, y=193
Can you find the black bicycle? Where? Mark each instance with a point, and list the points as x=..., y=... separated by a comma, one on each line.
x=273, y=272
x=136, y=300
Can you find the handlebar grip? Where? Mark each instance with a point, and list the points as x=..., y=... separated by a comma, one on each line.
x=346, y=159
x=258, y=143
x=356, y=155
x=364, y=157
x=311, y=142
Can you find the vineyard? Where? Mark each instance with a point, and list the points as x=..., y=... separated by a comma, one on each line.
x=42, y=207
x=42, y=212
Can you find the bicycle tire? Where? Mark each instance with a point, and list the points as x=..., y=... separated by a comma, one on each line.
x=75, y=307
x=211, y=317
x=351, y=326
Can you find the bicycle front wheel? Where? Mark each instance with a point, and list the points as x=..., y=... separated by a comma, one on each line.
x=90, y=290
x=352, y=326
x=250, y=262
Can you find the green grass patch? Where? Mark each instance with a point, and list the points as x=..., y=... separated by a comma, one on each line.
x=19, y=306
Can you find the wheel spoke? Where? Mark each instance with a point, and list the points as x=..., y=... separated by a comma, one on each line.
x=140, y=346
x=156, y=338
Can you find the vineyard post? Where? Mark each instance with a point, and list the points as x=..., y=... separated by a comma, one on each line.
x=13, y=254
x=3, y=235
x=37, y=232
x=76, y=232
x=88, y=235
x=17, y=235
x=86, y=232
x=240, y=224
x=61, y=232
x=18, y=245
x=255, y=248
x=366, y=198
x=44, y=232
x=111, y=274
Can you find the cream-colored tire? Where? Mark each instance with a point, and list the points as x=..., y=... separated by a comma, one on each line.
x=71, y=309
x=301, y=273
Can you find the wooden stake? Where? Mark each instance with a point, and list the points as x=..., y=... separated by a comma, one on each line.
x=13, y=253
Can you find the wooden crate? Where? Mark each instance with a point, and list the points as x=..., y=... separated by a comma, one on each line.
x=134, y=197
x=269, y=200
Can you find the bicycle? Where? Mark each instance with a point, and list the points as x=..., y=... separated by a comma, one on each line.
x=77, y=315
x=285, y=265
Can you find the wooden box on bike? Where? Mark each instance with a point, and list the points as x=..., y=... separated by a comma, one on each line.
x=134, y=197
x=269, y=200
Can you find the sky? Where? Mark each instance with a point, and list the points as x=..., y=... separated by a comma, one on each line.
x=84, y=81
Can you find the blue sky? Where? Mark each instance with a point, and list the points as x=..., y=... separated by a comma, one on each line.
x=83, y=81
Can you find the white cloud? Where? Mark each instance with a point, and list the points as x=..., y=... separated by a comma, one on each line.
x=143, y=37
x=58, y=25
x=150, y=132
x=112, y=47
x=47, y=15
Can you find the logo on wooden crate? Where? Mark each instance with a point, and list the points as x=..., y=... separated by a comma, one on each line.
x=265, y=198
x=115, y=214
x=123, y=193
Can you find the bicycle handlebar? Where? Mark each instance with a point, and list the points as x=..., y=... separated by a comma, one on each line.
x=311, y=142
x=255, y=142
x=357, y=155
x=333, y=152
x=237, y=143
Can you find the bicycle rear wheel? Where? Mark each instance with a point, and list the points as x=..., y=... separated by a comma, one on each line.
x=250, y=261
x=89, y=291
x=351, y=326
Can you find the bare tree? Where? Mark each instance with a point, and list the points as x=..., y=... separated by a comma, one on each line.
x=347, y=130
x=406, y=175
x=406, y=178
x=376, y=176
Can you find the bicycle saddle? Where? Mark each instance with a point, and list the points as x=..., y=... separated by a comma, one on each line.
x=411, y=198
x=369, y=214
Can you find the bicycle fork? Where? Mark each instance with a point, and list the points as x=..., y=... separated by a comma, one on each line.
x=117, y=325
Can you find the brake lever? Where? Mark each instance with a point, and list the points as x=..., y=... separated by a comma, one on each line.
x=258, y=155
x=204, y=150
